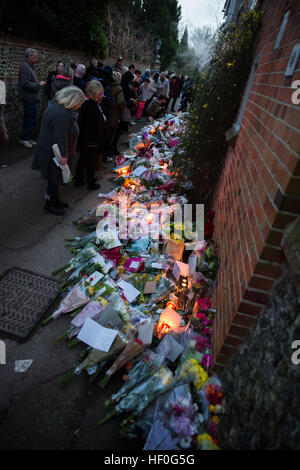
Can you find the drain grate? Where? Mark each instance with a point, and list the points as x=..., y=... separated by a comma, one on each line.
x=24, y=298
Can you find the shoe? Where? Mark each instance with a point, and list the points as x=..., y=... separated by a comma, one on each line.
x=26, y=143
x=60, y=203
x=78, y=183
x=52, y=208
x=133, y=123
x=93, y=186
x=33, y=142
x=108, y=159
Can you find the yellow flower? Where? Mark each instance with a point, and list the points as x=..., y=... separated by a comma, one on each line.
x=103, y=301
x=215, y=419
x=211, y=118
x=203, y=437
x=212, y=408
x=91, y=290
x=205, y=105
x=218, y=98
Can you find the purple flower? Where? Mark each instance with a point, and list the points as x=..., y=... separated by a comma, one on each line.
x=212, y=427
x=206, y=360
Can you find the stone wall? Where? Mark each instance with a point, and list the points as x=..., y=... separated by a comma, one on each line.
x=261, y=384
x=12, y=55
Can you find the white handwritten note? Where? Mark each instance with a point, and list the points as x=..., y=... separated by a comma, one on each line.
x=130, y=292
x=96, y=335
x=94, y=278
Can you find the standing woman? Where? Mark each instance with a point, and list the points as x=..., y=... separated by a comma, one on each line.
x=93, y=136
x=115, y=113
x=59, y=126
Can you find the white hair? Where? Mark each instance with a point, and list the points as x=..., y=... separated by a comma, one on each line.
x=70, y=97
x=117, y=76
x=80, y=70
x=30, y=51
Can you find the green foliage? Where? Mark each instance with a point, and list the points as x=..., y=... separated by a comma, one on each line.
x=217, y=94
x=77, y=24
x=162, y=18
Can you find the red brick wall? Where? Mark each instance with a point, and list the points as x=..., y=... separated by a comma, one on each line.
x=259, y=190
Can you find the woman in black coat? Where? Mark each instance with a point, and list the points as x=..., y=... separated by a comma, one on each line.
x=59, y=126
x=93, y=136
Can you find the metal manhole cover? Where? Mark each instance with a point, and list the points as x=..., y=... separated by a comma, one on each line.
x=24, y=298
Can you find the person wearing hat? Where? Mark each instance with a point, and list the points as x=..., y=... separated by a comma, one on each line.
x=117, y=67
x=146, y=74
x=175, y=89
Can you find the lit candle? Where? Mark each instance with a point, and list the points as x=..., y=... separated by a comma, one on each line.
x=149, y=218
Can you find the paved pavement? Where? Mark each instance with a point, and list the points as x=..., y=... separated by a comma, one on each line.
x=35, y=412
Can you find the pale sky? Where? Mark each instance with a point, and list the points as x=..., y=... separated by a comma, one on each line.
x=195, y=13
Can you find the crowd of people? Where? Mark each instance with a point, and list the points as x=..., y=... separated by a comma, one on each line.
x=88, y=109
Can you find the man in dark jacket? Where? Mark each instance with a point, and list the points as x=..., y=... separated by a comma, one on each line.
x=28, y=92
x=79, y=75
x=127, y=78
x=118, y=66
x=106, y=79
x=92, y=70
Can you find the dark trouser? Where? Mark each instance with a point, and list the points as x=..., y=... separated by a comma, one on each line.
x=174, y=102
x=115, y=135
x=123, y=126
x=52, y=190
x=29, y=118
x=87, y=164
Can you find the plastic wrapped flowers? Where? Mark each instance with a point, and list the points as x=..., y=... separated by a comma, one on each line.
x=123, y=286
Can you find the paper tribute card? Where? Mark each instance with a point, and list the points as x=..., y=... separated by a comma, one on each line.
x=145, y=332
x=150, y=287
x=169, y=348
x=96, y=335
x=180, y=269
x=130, y=292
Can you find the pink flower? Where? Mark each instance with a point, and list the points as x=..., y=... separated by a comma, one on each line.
x=203, y=303
x=201, y=316
x=206, y=331
x=207, y=360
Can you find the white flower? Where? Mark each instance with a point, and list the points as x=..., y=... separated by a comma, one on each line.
x=192, y=343
x=185, y=442
x=218, y=409
x=196, y=406
x=200, y=418
x=185, y=402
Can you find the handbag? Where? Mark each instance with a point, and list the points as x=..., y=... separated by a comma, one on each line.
x=125, y=115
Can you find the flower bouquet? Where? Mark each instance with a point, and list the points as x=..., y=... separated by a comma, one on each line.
x=95, y=357
x=131, y=350
x=143, y=394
